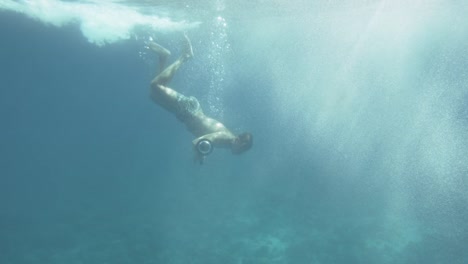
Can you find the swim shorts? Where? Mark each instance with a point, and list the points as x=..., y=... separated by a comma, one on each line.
x=187, y=107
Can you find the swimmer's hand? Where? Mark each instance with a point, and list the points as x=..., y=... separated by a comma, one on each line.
x=197, y=157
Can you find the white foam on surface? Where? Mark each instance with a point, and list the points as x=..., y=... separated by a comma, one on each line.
x=101, y=22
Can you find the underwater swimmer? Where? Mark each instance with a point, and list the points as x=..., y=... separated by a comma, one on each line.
x=209, y=132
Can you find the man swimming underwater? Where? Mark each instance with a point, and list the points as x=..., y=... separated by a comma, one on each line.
x=209, y=132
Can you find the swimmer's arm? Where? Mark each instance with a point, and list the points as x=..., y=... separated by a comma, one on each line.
x=218, y=139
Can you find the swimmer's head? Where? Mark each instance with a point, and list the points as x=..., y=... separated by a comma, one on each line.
x=242, y=143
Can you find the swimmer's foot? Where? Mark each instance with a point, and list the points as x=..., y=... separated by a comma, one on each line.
x=160, y=50
x=188, y=51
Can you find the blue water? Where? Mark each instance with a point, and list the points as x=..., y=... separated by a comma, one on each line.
x=360, y=124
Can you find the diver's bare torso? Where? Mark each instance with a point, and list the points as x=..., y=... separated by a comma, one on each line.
x=204, y=127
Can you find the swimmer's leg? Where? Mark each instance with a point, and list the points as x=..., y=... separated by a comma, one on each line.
x=166, y=76
x=160, y=93
x=166, y=97
x=162, y=52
